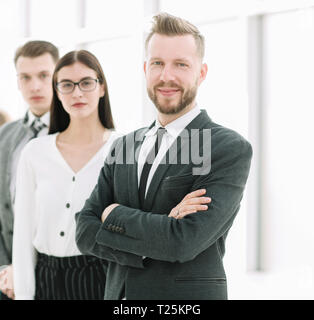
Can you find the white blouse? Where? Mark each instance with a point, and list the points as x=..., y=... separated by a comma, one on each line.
x=48, y=195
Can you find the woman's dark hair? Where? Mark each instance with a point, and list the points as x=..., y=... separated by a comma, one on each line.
x=59, y=118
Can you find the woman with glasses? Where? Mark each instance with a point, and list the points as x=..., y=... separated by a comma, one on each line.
x=56, y=174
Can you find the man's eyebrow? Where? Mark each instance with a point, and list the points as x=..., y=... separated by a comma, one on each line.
x=182, y=59
x=29, y=73
x=176, y=59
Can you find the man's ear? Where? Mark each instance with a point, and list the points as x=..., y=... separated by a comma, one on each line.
x=145, y=67
x=203, y=73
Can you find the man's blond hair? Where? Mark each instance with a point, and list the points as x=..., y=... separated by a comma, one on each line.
x=168, y=25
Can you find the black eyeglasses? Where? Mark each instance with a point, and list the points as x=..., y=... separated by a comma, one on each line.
x=85, y=85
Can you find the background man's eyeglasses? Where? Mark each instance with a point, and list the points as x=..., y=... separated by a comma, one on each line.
x=85, y=85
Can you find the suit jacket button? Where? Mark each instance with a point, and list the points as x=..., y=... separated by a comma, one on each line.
x=7, y=206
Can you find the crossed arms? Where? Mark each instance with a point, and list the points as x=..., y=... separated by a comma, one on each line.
x=162, y=236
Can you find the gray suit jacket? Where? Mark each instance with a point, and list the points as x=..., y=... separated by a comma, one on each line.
x=183, y=257
x=10, y=136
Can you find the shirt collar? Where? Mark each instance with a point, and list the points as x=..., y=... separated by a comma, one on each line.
x=175, y=127
x=30, y=117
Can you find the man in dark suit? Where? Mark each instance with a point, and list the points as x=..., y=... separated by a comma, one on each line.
x=34, y=62
x=150, y=214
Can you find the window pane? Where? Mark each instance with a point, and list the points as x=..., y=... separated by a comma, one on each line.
x=121, y=60
x=53, y=17
x=10, y=98
x=201, y=10
x=117, y=14
x=289, y=156
x=223, y=93
x=10, y=30
x=9, y=18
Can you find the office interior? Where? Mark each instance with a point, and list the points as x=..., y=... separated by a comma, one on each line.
x=260, y=82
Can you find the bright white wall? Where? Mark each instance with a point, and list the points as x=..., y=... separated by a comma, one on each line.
x=10, y=25
x=289, y=155
x=53, y=17
x=120, y=53
x=124, y=78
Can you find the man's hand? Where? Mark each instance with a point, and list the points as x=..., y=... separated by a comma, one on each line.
x=107, y=211
x=191, y=203
x=6, y=282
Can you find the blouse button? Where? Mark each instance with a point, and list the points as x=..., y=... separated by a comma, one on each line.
x=67, y=205
x=61, y=233
x=73, y=179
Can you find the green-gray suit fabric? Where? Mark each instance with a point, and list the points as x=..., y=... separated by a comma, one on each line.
x=11, y=135
x=183, y=257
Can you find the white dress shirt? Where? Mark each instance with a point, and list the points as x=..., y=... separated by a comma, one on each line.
x=174, y=128
x=48, y=195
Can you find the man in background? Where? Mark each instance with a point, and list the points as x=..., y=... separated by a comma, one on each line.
x=35, y=62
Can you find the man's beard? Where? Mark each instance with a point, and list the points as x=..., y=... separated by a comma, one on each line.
x=186, y=98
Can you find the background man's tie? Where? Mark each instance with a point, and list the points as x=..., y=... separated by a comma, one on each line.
x=37, y=126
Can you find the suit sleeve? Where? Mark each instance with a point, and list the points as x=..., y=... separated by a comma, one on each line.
x=4, y=254
x=162, y=238
x=88, y=224
x=4, y=259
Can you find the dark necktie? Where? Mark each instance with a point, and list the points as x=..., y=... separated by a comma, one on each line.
x=148, y=164
x=37, y=126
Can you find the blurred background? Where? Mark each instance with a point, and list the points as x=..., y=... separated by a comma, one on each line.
x=260, y=82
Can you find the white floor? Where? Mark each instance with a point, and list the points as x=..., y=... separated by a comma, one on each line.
x=284, y=285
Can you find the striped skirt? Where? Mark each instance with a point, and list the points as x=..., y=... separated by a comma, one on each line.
x=70, y=278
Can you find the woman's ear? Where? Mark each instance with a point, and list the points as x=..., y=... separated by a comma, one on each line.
x=102, y=91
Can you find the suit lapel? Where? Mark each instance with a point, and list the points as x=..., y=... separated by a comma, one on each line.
x=17, y=136
x=173, y=154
